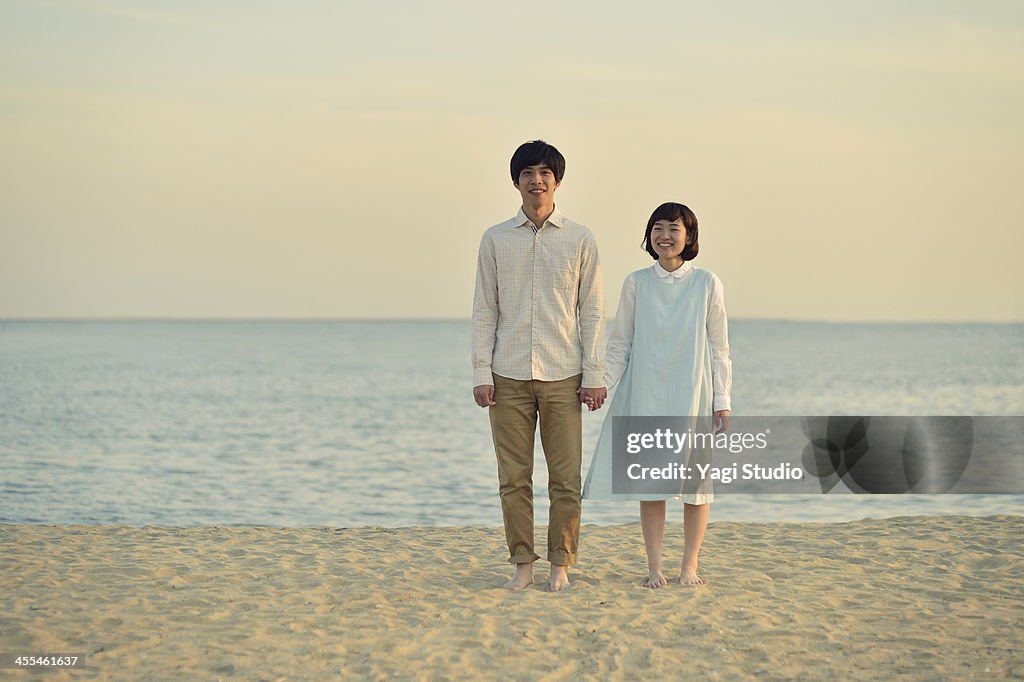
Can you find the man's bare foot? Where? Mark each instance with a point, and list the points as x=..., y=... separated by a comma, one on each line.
x=559, y=579
x=688, y=576
x=654, y=580
x=522, y=578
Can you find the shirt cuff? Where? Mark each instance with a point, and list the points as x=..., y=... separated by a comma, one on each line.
x=482, y=377
x=721, y=402
x=593, y=379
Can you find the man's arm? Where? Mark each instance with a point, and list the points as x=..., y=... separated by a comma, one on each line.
x=485, y=322
x=591, y=314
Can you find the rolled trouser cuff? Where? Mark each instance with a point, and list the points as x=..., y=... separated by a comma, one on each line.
x=561, y=558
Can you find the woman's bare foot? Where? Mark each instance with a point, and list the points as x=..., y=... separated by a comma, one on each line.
x=522, y=578
x=688, y=576
x=559, y=579
x=654, y=580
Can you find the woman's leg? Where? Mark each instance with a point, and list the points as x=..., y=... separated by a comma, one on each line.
x=695, y=522
x=652, y=520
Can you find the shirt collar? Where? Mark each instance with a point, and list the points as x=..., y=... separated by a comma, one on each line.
x=556, y=218
x=678, y=273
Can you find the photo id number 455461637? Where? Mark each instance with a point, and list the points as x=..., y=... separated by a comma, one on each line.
x=9, y=660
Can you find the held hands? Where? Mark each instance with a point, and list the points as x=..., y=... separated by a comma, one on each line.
x=720, y=422
x=484, y=395
x=593, y=398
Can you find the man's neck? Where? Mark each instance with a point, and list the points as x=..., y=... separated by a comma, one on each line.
x=539, y=214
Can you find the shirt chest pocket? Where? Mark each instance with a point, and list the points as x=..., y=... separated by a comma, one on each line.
x=565, y=275
x=557, y=266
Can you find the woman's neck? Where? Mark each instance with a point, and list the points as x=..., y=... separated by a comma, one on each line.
x=670, y=264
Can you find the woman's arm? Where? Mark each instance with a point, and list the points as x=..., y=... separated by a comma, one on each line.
x=621, y=340
x=718, y=337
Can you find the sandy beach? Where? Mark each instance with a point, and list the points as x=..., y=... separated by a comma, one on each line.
x=911, y=597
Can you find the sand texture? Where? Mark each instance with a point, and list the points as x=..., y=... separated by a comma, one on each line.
x=927, y=598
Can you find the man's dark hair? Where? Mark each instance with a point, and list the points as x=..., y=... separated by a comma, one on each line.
x=537, y=153
x=672, y=212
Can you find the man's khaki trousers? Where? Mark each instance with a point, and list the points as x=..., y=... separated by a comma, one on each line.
x=513, y=425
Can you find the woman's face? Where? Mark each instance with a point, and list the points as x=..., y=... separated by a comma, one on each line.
x=669, y=238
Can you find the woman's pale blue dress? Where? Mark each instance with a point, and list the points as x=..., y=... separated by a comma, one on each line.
x=668, y=372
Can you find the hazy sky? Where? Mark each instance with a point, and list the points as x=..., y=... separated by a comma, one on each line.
x=847, y=160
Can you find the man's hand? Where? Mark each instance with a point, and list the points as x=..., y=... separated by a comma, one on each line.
x=593, y=398
x=720, y=421
x=484, y=395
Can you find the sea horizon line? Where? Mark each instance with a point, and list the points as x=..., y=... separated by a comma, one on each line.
x=406, y=320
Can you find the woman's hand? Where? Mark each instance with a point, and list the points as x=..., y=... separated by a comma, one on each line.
x=720, y=421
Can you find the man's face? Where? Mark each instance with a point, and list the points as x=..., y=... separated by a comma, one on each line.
x=537, y=184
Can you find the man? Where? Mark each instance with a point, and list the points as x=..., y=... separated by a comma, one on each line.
x=538, y=328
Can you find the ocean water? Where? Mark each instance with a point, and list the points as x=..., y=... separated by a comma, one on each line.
x=346, y=423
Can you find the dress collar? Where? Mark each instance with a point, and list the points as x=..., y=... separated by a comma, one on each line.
x=678, y=273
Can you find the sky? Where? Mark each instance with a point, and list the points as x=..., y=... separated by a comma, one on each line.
x=332, y=159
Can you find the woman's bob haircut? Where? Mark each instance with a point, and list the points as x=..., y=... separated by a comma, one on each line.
x=672, y=212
